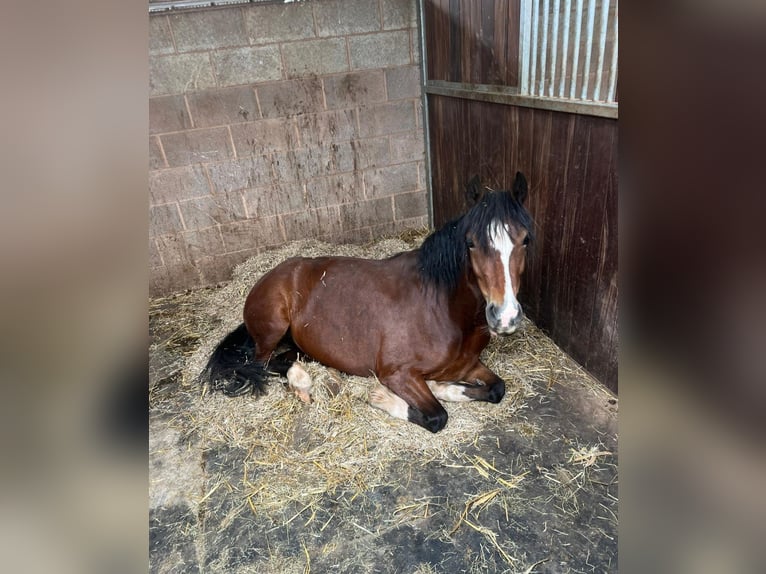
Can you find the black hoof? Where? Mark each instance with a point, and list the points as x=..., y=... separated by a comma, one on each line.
x=433, y=423
x=496, y=392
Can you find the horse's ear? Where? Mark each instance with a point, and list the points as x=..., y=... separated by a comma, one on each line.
x=473, y=190
x=520, y=187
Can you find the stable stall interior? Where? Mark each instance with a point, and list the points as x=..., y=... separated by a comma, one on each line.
x=315, y=128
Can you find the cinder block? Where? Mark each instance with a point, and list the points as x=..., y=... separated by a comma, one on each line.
x=334, y=190
x=203, y=243
x=354, y=89
x=169, y=279
x=160, y=39
x=415, y=47
x=315, y=57
x=208, y=30
x=409, y=205
x=409, y=146
x=168, y=114
x=208, y=211
x=239, y=66
x=239, y=174
x=381, y=50
x=189, y=246
x=272, y=23
x=366, y=213
x=218, y=268
x=399, y=14
x=384, y=119
x=359, y=154
x=403, y=82
x=252, y=234
x=419, y=114
x=222, y=106
x=264, y=136
x=197, y=146
x=391, y=180
x=274, y=199
x=358, y=236
x=179, y=73
x=164, y=219
x=318, y=130
x=302, y=165
x=155, y=259
x=340, y=17
x=177, y=184
x=290, y=98
x=311, y=223
x=156, y=159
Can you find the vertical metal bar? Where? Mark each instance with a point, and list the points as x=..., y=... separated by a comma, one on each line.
x=554, y=45
x=533, y=45
x=613, y=67
x=565, y=48
x=424, y=102
x=544, y=48
x=525, y=48
x=601, y=48
x=576, y=48
x=588, y=48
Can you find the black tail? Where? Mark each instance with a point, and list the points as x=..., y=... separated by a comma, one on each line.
x=232, y=368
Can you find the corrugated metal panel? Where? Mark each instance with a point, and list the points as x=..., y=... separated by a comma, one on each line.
x=568, y=52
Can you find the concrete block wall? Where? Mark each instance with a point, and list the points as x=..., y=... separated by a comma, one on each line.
x=271, y=122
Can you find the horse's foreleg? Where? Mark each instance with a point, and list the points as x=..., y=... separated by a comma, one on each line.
x=449, y=391
x=408, y=397
x=480, y=384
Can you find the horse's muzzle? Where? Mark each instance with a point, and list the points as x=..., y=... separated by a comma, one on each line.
x=496, y=324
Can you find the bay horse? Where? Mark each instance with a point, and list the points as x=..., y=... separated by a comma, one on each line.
x=417, y=321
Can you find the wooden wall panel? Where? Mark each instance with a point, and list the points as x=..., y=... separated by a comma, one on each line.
x=570, y=286
x=473, y=41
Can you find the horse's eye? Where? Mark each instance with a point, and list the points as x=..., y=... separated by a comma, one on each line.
x=469, y=243
x=526, y=241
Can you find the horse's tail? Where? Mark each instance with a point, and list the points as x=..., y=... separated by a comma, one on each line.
x=232, y=367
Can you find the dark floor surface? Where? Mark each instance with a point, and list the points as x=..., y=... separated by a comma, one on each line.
x=560, y=518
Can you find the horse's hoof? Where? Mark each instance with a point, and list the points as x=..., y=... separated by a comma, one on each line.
x=300, y=382
x=303, y=396
x=496, y=392
x=433, y=423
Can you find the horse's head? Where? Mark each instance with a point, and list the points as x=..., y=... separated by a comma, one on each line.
x=497, y=232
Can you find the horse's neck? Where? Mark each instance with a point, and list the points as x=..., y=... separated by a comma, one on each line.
x=468, y=299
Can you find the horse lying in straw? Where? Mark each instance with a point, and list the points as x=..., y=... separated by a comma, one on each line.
x=418, y=320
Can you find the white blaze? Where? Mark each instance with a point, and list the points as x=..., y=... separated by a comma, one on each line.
x=500, y=239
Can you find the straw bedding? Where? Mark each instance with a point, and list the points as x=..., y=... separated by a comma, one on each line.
x=298, y=452
x=304, y=466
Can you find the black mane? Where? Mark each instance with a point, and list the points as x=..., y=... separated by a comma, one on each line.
x=444, y=253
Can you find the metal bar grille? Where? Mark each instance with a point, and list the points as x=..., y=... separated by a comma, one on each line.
x=569, y=50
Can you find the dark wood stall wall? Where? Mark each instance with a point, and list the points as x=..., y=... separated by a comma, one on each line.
x=570, y=286
x=473, y=41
